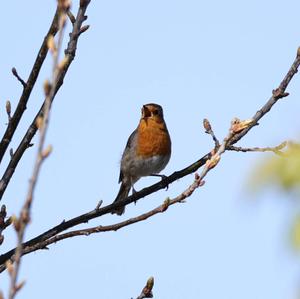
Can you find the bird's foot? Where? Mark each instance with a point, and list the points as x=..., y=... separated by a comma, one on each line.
x=162, y=176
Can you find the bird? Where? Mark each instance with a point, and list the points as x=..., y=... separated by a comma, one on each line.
x=147, y=152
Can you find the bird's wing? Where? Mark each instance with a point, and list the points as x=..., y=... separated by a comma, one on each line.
x=126, y=150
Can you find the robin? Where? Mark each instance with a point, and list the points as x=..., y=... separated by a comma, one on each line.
x=147, y=152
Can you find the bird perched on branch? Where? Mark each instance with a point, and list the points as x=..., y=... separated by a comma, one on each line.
x=147, y=152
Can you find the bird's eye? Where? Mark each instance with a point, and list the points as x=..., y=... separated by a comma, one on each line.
x=155, y=112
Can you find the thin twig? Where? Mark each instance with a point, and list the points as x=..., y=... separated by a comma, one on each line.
x=21, y=107
x=71, y=17
x=209, y=130
x=24, y=217
x=4, y=223
x=26, y=141
x=277, y=94
x=276, y=150
x=8, y=110
x=99, y=204
x=15, y=73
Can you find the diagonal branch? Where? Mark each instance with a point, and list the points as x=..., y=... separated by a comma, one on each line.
x=114, y=227
x=84, y=218
x=28, y=86
x=26, y=141
x=277, y=94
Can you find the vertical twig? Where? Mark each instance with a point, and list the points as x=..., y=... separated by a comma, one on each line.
x=42, y=153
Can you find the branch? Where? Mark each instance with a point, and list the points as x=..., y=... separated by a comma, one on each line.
x=240, y=131
x=42, y=154
x=4, y=223
x=8, y=110
x=27, y=88
x=114, y=227
x=276, y=150
x=71, y=17
x=209, y=130
x=26, y=141
x=277, y=94
x=15, y=73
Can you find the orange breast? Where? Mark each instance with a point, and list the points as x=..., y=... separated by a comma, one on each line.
x=153, y=139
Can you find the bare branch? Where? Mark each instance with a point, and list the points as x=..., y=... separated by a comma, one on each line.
x=209, y=130
x=15, y=73
x=71, y=17
x=26, y=141
x=114, y=227
x=4, y=223
x=8, y=110
x=276, y=150
x=99, y=204
x=24, y=217
x=21, y=107
x=277, y=94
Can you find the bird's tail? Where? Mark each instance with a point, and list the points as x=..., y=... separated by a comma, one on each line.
x=123, y=193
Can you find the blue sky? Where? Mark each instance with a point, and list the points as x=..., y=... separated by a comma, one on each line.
x=217, y=59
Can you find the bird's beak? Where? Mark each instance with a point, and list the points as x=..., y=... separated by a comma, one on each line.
x=145, y=112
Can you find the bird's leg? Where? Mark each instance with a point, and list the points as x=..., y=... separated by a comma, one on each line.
x=162, y=176
x=133, y=190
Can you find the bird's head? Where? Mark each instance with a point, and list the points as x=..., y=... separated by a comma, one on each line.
x=152, y=112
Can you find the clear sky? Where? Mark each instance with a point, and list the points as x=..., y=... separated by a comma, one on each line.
x=213, y=59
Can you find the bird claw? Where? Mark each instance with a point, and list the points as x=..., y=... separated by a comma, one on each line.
x=162, y=176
